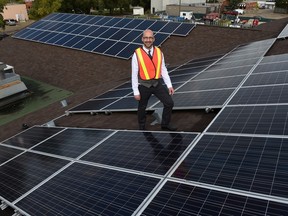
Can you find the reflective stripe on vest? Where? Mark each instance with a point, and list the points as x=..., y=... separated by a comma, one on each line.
x=149, y=69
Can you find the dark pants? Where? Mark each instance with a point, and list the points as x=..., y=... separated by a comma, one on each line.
x=162, y=94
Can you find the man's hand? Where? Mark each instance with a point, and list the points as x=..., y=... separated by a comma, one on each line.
x=171, y=90
x=137, y=97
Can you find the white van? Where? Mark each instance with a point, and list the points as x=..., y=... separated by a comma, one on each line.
x=186, y=15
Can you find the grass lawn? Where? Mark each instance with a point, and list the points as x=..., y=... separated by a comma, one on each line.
x=42, y=95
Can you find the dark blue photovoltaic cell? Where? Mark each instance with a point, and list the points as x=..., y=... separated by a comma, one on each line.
x=145, y=25
x=103, y=21
x=7, y=153
x=104, y=46
x=73, y=41
x=113, y=21
x=128, y=51
x=99, y=31
x=157, y=26
x=94, y=20
x=52, y=38
x=252, y=120
x=181, y=199
x=133, y=24
x=255, y=164
x=64, y=39
x=131, y=36
x=160, y=38
x=116, y=48
x=70, y=28
x=86, y=190
x=64, y=26
x=38, y=36
x=261, y=95
x=129, y=103
x=267, y=79
x=213, y=98
x=72, y=142
x=116, y=93
x=92, y=105
x=158, y=151
x=83, y=42
x=32, y=137
x=79, y=29
x=184, y=29
x=108, y=33
x=273, y=66
x=93, y=44
x=89, y=30
x=122, y=23
x=119, y=34
x=229, y=82
x=21, y=174
x=170, y=27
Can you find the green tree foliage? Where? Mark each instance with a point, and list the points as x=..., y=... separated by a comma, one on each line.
x=234, y=4
x=77, y=6
x=41, y=8
x=143, y=3
x=2, y=4
x=281, y=4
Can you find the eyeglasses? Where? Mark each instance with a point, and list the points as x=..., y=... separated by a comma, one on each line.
x=146, y=38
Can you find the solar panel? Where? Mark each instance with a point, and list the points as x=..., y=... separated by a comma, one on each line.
x=152, y=152
x=224, y=74
x=246, y=163
x=8, y=153
x=72, y=143
x=182, y=199
x=31, y=137
x=87, y=190
x=221, y=83
x=267, y=78
x=26, y=171
x=251, y=119
x=261, y=95
x=284, y=32
x=78, y=31
x=199, y=99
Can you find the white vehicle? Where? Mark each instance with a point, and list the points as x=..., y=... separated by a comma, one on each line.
x=239, y=11
x=186, y=15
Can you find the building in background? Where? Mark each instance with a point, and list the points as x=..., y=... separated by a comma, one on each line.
x=160, y=5
x=15, y=11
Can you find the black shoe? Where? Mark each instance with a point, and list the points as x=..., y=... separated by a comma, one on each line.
x=168, y=127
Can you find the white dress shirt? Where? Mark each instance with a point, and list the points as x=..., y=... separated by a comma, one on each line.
x=135, y=72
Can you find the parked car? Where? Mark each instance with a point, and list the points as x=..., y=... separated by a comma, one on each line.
x=10, y=22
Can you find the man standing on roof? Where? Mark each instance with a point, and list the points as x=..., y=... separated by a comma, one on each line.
x=148, y=66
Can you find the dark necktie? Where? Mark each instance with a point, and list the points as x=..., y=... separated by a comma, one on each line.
x=149, y=54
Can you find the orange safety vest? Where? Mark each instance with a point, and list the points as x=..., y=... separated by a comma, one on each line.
x=149, y=68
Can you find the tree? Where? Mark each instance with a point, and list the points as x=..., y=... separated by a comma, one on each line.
x=2, y=5
x=77, y=6
x=41, y=8
x=282, y=4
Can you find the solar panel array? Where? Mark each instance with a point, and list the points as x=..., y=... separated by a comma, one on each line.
x=69, y=171
x=200, y=83
x=111, y=36
x=237, y=166
x=284, y=32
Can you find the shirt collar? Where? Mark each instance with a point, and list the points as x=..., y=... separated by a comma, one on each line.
x=146, y=50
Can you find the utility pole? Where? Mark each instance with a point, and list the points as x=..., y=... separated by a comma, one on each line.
x=179, y=8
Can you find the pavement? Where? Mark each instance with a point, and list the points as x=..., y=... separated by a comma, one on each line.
x=265, y=13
